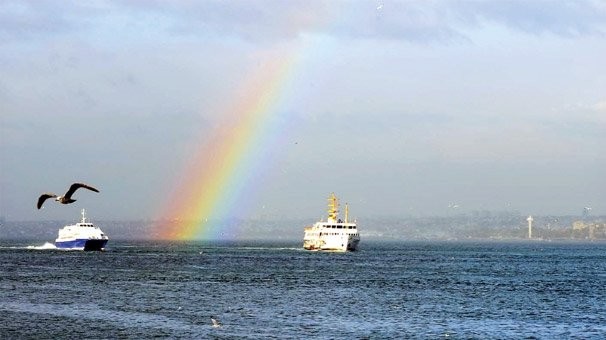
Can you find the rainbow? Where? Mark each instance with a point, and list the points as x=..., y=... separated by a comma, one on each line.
x=224, y=168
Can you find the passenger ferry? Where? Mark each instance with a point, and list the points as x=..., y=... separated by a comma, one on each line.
x=81, y=236
x=333, y=234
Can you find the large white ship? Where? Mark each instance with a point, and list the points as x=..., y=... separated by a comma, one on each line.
x=333, y=234
x=81, y=236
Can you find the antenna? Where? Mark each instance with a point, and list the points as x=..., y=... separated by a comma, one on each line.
x=346, y=212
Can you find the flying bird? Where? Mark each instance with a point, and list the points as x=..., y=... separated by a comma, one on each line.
x=67, y=198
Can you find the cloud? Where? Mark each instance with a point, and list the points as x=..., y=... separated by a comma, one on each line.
x=398, y=20
x=25, y=20
x=562, y=18
x=591, y=114
x=599, y=106
x=273, y=20
x=134, y=82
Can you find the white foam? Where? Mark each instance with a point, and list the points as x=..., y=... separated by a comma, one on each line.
x=45, y=246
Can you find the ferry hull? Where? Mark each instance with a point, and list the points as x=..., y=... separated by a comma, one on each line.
x=82, y=244
x=326, y=244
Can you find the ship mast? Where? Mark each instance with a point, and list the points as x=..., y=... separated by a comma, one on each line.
x=333, y=208
x=346, y=212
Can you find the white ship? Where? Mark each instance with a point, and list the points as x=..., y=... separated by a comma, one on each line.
x=333, y=234
x=81, y=236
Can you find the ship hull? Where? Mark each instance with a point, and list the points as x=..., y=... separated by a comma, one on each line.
x=332, y=243
x=82, y=244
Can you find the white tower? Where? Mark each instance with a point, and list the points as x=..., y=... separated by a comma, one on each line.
x=529, y=219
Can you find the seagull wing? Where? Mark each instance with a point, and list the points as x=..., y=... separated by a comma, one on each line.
x=77, y=186
x=43, y=198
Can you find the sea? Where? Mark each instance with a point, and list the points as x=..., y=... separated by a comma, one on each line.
x=273, y=290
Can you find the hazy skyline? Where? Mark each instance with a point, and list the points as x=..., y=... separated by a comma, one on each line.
x=400, y=107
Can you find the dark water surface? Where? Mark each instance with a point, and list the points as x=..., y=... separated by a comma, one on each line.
x=385, y=290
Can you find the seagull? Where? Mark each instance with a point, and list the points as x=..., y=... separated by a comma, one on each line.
x=67, y=198
x=216, y=323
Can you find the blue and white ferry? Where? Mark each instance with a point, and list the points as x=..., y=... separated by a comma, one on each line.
x=81, y=236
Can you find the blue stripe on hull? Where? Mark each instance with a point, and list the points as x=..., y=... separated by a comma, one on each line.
x=82, y=244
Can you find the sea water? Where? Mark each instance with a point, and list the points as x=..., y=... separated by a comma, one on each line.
x=257, y=290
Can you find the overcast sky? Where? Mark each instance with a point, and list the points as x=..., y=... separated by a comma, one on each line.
x=400, y=107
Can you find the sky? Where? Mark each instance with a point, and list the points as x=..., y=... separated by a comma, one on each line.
x=402, y=108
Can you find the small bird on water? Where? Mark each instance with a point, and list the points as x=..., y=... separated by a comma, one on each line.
x=215, y=322
x=67, y=198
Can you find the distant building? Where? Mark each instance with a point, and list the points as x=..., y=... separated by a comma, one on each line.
x=589, y=230
x=579, y=225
